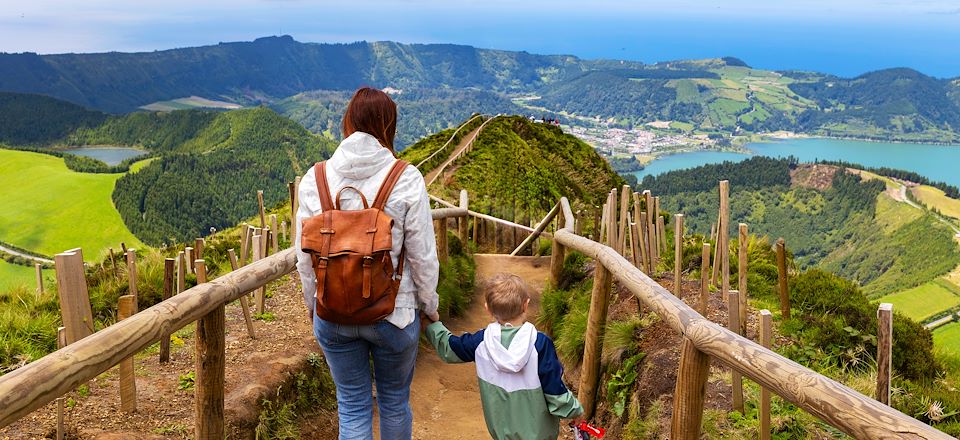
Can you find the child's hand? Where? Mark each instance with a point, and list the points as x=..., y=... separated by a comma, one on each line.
x=424, y=322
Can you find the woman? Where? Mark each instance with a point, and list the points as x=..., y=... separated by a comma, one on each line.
x=362, y=161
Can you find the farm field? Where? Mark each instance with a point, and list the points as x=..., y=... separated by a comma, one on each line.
x=56, y=209
x=924, y=301
x=947, y=339
x=12, y=275
x=935, y=198
x=189, y=102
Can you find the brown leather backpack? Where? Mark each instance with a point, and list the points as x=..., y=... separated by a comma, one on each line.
x=356, y=283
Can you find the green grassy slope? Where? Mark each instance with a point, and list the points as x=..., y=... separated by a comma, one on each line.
x=12, y=275
x=52, y=209
x=922, y=302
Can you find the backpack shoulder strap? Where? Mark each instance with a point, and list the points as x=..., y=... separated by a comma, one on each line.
x=388, y=182
x=322, y=189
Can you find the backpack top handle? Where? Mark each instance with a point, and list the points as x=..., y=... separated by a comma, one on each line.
x=362, y=198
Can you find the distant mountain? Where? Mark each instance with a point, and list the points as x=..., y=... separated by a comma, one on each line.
x=439, y=84
x=274, y=67
x=38, y=120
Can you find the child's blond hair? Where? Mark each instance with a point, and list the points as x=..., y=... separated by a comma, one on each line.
x=505, y=295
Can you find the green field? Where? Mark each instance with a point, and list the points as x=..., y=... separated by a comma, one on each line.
x=947, y=339
x=924, y=301
x=935, y=198
x=51, y=209
x=12, y=275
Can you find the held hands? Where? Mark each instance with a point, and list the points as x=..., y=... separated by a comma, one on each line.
x=426, y=320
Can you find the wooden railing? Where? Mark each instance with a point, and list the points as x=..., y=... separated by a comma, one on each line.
x=36, y=384
x=831, y=401
x=454, y=157
x=446, y=144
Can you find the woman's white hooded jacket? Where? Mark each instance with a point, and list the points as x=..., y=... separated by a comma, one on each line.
x=361, y=162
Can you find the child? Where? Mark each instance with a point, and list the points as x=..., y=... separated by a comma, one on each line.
x=521, y=379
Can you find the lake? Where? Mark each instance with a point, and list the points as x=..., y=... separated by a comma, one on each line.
x=936, y=162
x=109, y=155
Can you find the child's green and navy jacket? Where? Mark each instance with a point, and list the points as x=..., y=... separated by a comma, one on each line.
x=521, y=379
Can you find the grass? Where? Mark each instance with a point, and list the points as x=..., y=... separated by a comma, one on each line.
x=936, y=199
x=892, y=215
x=947, y=339
x=57, y=209
x=13, y=275
x=924, y=301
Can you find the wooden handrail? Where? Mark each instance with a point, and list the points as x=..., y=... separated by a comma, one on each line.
x=454, y=157
x=490, y=217
x=448, y=141
x=36, y=384
x=538, y=230
x=833, y=402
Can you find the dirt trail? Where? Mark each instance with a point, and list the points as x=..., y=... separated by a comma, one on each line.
x=432, y=175
x=444, y=397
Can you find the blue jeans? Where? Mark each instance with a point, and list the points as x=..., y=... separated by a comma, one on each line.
x=349, y=349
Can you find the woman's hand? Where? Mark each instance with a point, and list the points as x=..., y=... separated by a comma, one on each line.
x=426, y=320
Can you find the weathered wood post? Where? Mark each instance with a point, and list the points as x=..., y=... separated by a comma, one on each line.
x=244, y=239
x=74, y=299
x=39, y=270
x=595, y=233
x=622, y=232
x=635, y=246
x=263, y=214
x=742, y=248
x=661, y=239
x=181, y=272
x=292, y=190
x=273, y=231
x=660, y=227
x=257, y=255
x=884, y=351
x=766, y=337
x=725, y=235
x=677, y=253
x=188, y=254
x=128, y=383
x=612, y=228
x=733, y=324
x=597, y=318
x=476, y=230
x=690, y=391
x=717, y=255
x=169, y=270
x=782, y=278
x=209, y=367
x=61, y=342
x=198, y=245
x=132, y=276
x=244, y=301
x=440, y=225
x=704, y=279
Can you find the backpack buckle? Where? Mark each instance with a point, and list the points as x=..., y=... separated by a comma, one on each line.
x=367, y=261
x=326, y=231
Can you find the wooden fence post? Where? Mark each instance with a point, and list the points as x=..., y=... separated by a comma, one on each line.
x=661, y=238
x=612, y=228
x=168, y=275
x=766, y=337
x=188, y=254
x=677, y=253
x=475, y=231
x=209, y=367
x=690, y=391
x=884, y=351
x=263, y=216
x=257, y=255
x=440, y=225
x=61, y=342
x=132, y=276
x=181, y=272
x=39, y=270
x=782, y=278
x=622, y=232
x=198, y=245
x=660, y=229
x=557, y=254
x=733, y=324
x=596, y=320
x=274, y=231
x=725, y=234
x=704, y=279
x=292, y=190
x=74, y=299
x=742, y=248
x=244, y=300
x=244, y=239
x=635, y=246
x=126, y=308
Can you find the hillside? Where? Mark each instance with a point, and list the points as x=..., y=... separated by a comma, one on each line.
x=38, y=120
x=306, y=81
x=421, y=112
x=830, y=219
x=212, y=179
x=519, y=168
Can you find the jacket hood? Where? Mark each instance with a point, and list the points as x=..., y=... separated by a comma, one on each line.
x=360, y=156
x=513, y=358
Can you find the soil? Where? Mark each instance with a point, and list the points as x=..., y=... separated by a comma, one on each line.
x=814, y=176
x=255, y=370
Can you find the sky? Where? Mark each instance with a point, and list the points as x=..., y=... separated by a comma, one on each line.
x=843, y=37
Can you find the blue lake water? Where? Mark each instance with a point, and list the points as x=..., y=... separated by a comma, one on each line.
x=936, y=162
x=109, y=155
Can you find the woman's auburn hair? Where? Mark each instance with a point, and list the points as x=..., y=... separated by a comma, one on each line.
x=373, y=112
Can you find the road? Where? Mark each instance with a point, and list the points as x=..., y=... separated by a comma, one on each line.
x=23, y=255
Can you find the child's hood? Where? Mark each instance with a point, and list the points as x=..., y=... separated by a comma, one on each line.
x=513, y=358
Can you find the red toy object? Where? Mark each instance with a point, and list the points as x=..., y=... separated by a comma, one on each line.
x=584, y=431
